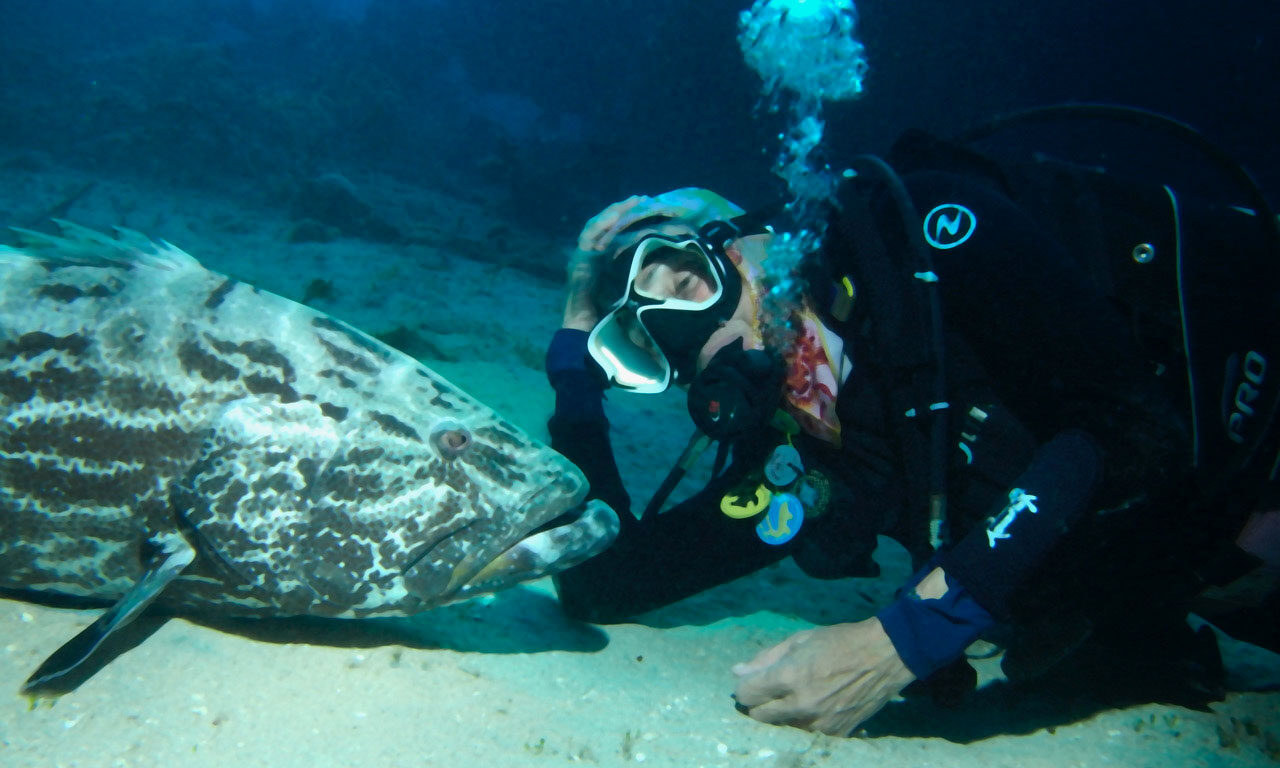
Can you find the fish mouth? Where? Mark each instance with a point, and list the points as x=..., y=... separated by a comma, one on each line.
x=589, y=529
x=448, y=570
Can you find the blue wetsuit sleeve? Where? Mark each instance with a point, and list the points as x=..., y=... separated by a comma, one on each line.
x=992, y=560
x=578, y=382
x=578, y=427
x=929, y=634
x=985, y=568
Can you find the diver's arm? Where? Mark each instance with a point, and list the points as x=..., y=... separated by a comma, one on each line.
x=991, y=561
x=664, y=558
x=962, y=591
x=579, y=429
x=654, y=562
x=831, y=679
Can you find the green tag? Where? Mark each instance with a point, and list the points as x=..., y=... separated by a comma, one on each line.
x=785, y=423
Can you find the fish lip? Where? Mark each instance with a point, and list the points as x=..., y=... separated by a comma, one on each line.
x=551, y=510
x=523, y=507
x=528, y=507
x=537, y=508
x=591, y=528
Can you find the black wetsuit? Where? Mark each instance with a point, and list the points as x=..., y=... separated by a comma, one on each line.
x=1080, y=392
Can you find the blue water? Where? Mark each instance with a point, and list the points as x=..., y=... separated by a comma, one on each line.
x=514, y=97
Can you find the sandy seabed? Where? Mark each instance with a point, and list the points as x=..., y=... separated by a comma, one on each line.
x=507, y=680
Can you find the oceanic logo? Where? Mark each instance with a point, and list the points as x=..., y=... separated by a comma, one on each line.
x=949, y=225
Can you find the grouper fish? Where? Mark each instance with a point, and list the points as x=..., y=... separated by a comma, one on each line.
x=170, y=434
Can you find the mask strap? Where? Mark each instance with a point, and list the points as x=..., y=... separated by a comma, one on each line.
x=721, y=231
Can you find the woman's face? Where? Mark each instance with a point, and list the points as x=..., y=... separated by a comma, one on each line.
x=675, y=274
x=672, y=273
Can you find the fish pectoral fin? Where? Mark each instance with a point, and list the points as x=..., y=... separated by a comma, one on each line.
x=175, y=555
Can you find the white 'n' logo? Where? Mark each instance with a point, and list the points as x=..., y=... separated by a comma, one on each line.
x=949, y=225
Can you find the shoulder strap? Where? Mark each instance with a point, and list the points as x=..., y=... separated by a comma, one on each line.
x=877, y=241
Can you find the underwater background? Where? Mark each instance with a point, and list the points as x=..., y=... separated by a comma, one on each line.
x=421, y=169
x=546, y=108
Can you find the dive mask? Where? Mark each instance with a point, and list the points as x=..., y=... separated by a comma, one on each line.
x=651, y=337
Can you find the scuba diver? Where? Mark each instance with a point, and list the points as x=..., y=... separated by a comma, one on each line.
x=1056, y=387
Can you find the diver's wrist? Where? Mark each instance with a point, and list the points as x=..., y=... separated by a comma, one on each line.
x=566, y=352
x=579, y=321
x=929, y=632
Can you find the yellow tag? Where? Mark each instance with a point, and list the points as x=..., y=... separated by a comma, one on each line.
x=739, y=506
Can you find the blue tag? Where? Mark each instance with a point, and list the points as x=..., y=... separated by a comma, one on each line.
x=784, y=466
x=783, y=520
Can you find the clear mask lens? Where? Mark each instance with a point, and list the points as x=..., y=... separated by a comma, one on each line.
x=683, y=278
x=677, y=272
x=628, y=354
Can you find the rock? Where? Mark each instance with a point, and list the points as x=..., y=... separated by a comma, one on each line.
x=312, y=231
x=333, y=201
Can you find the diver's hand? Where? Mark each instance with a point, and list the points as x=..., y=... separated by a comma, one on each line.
x=598, y=233
x=586, y=262
x=691, y=205
x=829, y=679
x=600, y=237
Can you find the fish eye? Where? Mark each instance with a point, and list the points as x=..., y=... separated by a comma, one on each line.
x=451, y=439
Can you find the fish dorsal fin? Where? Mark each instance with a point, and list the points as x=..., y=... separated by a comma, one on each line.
x=175, y=554
x=75, y=244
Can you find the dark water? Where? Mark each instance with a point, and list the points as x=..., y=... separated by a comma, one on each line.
x=551, y=108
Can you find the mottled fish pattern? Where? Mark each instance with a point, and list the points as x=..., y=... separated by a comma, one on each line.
x=312, y=468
